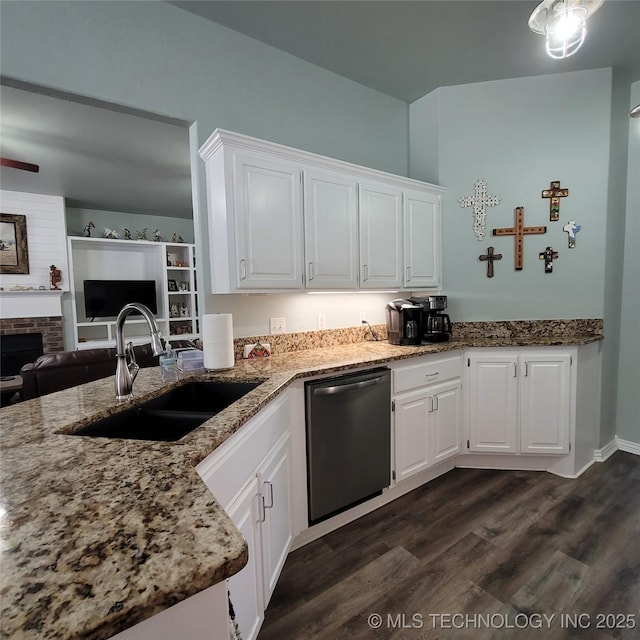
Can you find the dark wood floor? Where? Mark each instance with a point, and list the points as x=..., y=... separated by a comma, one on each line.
x=476, y=554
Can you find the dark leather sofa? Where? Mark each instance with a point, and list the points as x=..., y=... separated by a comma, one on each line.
x=56, y=371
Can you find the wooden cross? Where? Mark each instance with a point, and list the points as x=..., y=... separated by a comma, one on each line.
x=548, y=255
x=519, y=231
x=489, y=257
x=555, y=193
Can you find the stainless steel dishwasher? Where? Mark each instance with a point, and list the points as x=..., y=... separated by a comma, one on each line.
x=348, y=425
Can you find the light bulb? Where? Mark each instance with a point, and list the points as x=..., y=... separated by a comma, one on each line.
x=566, y=25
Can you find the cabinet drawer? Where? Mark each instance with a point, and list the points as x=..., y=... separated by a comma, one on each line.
x=427, y=372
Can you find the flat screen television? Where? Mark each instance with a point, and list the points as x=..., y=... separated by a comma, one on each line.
x=105, y=298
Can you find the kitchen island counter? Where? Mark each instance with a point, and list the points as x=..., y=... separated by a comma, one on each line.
x=100, y=534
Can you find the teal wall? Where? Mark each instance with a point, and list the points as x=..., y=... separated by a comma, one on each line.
x=518, y=135
x=628, y=398
x=156, y=57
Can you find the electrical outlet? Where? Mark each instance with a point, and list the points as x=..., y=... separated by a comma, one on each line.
x=277, y=325
x=322, y=321
x=363, y=316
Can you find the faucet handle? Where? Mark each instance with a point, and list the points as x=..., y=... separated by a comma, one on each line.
x=132, y=364
x=130, y=353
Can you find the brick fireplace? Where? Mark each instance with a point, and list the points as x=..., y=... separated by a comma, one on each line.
x=49, y=326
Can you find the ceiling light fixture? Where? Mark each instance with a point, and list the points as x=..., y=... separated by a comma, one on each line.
x=563, y=23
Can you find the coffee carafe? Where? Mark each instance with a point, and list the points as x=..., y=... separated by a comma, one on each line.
x=436, y=326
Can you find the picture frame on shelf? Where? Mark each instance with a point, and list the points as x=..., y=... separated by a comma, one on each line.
x=14, y=253
x=173, y=285
x=184, y=285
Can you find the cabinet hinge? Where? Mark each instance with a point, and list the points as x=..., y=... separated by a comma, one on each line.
x=393, y=474
x=393, y=405
x=569, y=446
x=571, y=361
x=468, y=447
x=468, y=362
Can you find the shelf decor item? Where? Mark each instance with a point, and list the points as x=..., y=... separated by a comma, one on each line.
x=87, y=230
x=14, y=254
x=173, y=285
x=554, y=193
x=479, y=201
x=55, y=276
x=519, y=231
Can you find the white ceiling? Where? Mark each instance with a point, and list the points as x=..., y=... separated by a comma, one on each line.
x=99, y=158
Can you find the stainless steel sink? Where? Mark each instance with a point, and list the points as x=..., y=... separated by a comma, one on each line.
x=170, y=416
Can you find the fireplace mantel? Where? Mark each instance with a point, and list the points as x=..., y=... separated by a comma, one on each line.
x=30, y=304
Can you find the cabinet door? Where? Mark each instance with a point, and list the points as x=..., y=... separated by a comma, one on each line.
x=330, y=230
x=245, y=587
x=445, y=421
x=422, y=240
x=380, y=236
x=493, y=403
x=411, y=434
x=268, y=223
x=274, y=481
x=545, y=403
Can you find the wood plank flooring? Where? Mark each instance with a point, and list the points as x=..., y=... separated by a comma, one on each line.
x=476, y=554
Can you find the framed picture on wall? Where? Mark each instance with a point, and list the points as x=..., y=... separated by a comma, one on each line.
x=14, y=255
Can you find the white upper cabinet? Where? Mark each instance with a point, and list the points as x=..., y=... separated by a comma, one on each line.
x=344, y=227
x=268, y=201
x=380, y=236
x=330, y=230
x=421, y=240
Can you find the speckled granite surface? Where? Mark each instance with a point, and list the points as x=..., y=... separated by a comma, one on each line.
x=97, y=535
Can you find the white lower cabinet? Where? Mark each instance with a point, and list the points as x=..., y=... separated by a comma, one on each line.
x=519, y=402
x=427, y=411
x=250, y=475
x=262, y=513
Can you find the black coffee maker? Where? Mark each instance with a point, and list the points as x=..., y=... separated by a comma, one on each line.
x=404, y=322
x=436, y=326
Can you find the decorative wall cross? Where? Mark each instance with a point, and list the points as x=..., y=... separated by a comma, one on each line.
x=489, y=257
x=519, y=231
x=572, y=228
x=555, y=193
x=548, y=255
x=479, y=201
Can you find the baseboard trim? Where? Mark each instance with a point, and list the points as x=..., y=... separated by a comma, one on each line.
x=628, y=446
x=601, y=455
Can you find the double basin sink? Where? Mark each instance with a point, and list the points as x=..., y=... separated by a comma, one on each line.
x=172, y=415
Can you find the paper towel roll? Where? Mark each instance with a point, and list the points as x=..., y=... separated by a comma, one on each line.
x=217, y=340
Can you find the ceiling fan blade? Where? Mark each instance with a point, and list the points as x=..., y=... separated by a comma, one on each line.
x=17, y=164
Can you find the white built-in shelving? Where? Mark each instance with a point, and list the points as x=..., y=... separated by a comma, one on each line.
x=170, y=265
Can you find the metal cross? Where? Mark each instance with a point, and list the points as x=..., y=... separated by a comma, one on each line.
x=519, y=231
x=480, y=201
x=489, y=257
x=555, y=193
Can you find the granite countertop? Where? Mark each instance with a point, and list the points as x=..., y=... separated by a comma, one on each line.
x=97, y=534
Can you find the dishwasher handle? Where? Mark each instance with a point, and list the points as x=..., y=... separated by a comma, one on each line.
x=343, y=388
